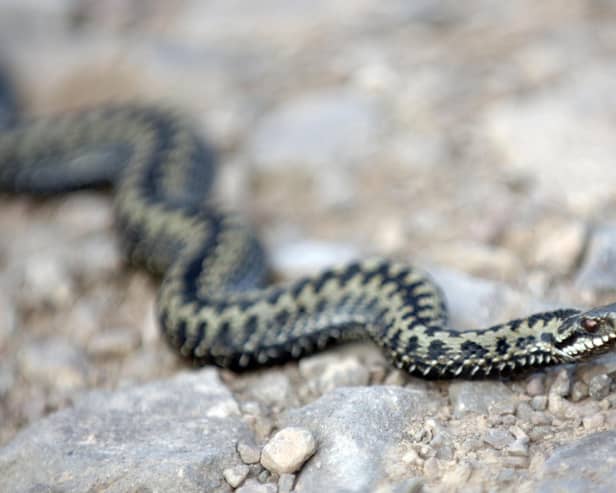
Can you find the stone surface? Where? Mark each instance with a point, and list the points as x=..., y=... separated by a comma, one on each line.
x=287, y=450
x=587, y=464
x=481, y=397
x=357, y=430
x=175, y=435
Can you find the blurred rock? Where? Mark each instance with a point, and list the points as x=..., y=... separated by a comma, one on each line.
x=598, y=270
x=325, y=372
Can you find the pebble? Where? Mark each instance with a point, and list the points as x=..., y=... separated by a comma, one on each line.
x=498, y=438
x=593, y=421
x=46, y=281
x=481, y=397
x=299, y=258
x=55, y=362
x=599, y=386
x=325, y=372
x=273, y=389
x=579, y=391
x=322, y=130
x=539, y=402
x=288, y=450
x=536, y=385
x=235, y=476
x=253, y=486
x=562, y=384
x=113, y=343
x=518, y=447
x=286, y=482
x=250, y=454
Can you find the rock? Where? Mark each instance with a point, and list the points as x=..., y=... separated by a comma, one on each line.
x=55, y=362
x=598, y=269
x=575, y=165
x=359, y=430
x=272, y=389
x=562, y=384
x=317, y=130
x=46, y=281
x=325, y=372
x=498, y=438
x=481, y=397
x=539, y=402
x=300, y=258
x=85, y=212
x=235, y=476
x=587, y=464
x=599, y=386
x=253, y=486
x=8, y=317
x=172, y=435
x=579, y=391
x=113, y=343
x=536, y=385
x=288, y=450
x=250, y=454
x=285, y=483
x=593, y=421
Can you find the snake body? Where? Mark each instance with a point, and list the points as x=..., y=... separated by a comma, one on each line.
x=214, y=305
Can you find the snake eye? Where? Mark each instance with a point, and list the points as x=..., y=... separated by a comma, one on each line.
x=590, y=325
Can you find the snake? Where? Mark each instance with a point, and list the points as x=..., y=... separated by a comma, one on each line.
x=216, y=304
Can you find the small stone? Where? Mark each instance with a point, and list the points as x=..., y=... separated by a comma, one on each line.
x=535, y=385
x=56, y=362
x=235, y=476
x=524, y=411
x=579, y=391
x=300, y=258
x=599, y=386
x=539, y=402
x=432, y=468
x=594, y=421
x=46, y=281
x=272, y=389
x=538, y=433
x=518, y=447
x=253, y=486
x=539, y=418
x=249, y=454
x=562, y=384
x=459, y=475
x=288, y=449
x=498, y=438
x=113, y=343
x=325, y=372
x=286, y=482
x=481, y=397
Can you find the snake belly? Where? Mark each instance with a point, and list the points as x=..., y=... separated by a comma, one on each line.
x=214, y=305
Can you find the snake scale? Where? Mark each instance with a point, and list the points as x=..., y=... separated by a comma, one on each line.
x=214, y=305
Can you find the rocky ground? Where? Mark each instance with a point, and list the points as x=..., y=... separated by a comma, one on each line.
x=473, y=138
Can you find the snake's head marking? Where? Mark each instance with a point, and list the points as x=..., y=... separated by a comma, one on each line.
x=586, y=333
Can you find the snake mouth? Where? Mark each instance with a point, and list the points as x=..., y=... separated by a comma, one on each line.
x=583, y=345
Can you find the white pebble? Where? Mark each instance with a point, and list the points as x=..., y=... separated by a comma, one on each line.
x=288, y=449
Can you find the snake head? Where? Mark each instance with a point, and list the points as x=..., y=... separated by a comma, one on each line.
x=586, y=333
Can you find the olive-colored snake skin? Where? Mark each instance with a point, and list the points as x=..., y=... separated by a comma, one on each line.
x=212, y=304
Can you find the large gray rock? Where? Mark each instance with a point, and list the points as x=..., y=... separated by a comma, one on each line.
x=587, y=465
x=357, y=429
x=172, y=435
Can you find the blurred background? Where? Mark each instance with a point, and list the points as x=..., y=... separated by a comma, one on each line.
x=475, y=138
